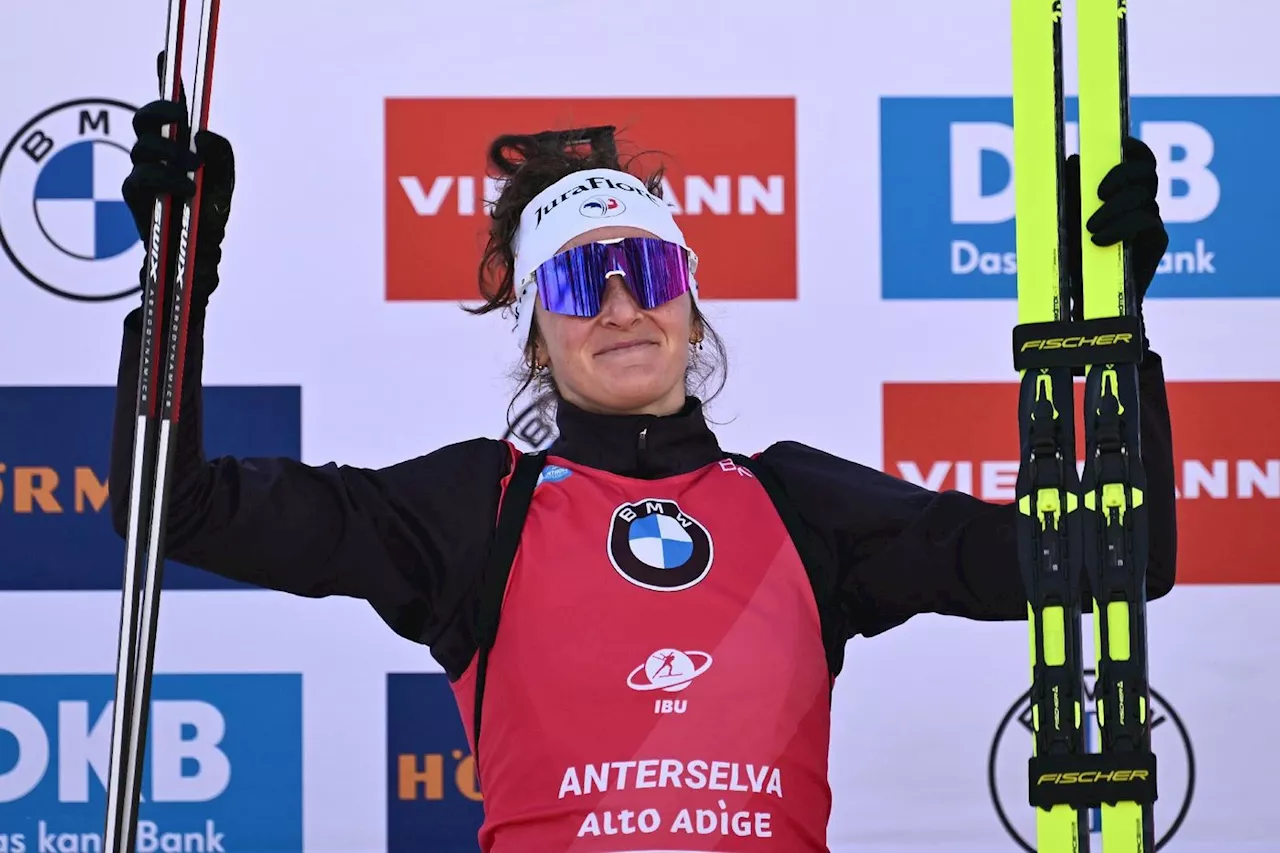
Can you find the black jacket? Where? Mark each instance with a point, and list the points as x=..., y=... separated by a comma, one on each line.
x=411, y=538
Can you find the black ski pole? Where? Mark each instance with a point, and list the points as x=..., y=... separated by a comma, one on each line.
x=165, y=315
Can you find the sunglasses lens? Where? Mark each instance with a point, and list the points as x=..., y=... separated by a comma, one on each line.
x=573, y=281
x=657, y=271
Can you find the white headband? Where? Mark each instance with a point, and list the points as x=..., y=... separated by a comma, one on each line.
x=572, y=206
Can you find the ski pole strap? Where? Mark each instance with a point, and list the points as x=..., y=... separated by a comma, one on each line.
x=497, y=569
x=818, y=562
x=1089, y=780
x=1059, y=343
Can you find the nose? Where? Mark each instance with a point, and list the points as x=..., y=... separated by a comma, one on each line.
x=617, y=306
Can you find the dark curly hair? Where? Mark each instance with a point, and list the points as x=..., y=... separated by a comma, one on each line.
x=525, y=165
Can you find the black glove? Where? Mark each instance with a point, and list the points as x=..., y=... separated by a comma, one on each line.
x=160, y=167
x=1129, y=212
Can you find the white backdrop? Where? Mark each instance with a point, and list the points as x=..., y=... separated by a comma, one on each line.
x=301, y=90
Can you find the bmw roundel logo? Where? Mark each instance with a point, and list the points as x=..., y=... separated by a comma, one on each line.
x=63, y=222
x=601, y=206
x=655, y=545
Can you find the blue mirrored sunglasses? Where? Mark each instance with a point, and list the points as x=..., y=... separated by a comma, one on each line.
x=655, y=271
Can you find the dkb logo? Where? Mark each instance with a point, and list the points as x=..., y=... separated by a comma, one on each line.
x=947, y=203
x=223, y=766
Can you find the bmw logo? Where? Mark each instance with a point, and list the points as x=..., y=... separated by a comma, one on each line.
x=655, y=545
x=63, y=222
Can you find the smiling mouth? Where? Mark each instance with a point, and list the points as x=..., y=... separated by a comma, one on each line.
x=624, y=347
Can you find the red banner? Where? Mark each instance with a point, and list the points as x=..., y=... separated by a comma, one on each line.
x=1226, y=457
x=730, y=176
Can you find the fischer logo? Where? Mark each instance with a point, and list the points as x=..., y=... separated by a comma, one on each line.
x=962, y=200
x=729, y=175
x=1226, y=482
x=1007, y=767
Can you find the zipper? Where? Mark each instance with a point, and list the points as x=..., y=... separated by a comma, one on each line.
x=642, y=442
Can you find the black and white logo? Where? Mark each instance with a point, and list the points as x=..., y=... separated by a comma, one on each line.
x=63, y=222
x=531, y=430
x=653, y=544
x=1007, y=768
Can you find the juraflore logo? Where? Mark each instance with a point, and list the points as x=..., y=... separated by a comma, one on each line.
x=730, y=181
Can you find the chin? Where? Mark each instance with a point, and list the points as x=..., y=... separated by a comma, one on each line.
x=627, y=393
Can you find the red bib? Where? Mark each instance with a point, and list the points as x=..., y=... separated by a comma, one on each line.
x=659, y=681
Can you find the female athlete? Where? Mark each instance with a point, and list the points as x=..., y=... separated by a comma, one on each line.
x=672, y=615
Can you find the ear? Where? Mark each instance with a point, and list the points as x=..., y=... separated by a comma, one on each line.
x=536, y=352
x=698, y=329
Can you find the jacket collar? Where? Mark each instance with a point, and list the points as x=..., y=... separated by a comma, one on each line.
x=642, y=446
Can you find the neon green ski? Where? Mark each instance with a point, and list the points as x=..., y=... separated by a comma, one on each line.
x=1048, y=489
x=1088, y=529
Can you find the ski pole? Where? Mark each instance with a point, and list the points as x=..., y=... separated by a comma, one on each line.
x=165, y=315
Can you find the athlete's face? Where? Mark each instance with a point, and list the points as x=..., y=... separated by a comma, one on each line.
x=625, y=360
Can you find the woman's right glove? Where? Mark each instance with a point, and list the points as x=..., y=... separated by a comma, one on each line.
x=160, y=167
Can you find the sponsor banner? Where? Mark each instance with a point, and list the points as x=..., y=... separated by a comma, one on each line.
x=947, y=198
x=432, y=793
x=1226, y=459
x=730, y=179
x=223, y=767
x=55, y=516
x=1011, y=747
x=63, y=221
x=962, y=719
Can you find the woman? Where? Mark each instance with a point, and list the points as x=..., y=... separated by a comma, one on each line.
x=637, y=552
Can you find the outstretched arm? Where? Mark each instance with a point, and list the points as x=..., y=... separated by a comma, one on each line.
x=902, y=549
x=404, y=538
x=407, y=539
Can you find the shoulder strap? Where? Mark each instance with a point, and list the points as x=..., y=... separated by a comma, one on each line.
x=819, y=563
x=497, y=570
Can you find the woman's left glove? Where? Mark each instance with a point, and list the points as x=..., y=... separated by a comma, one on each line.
x=1129, y=213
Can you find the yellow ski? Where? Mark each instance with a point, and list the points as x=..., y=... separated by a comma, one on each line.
x=1089, y=530
x=1048, y=489
x=1115, y=519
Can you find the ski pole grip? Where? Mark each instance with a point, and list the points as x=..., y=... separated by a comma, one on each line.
x=1105, y=340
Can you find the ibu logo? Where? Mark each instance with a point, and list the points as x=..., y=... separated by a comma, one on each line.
x=223, y=766
x=947, y=195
